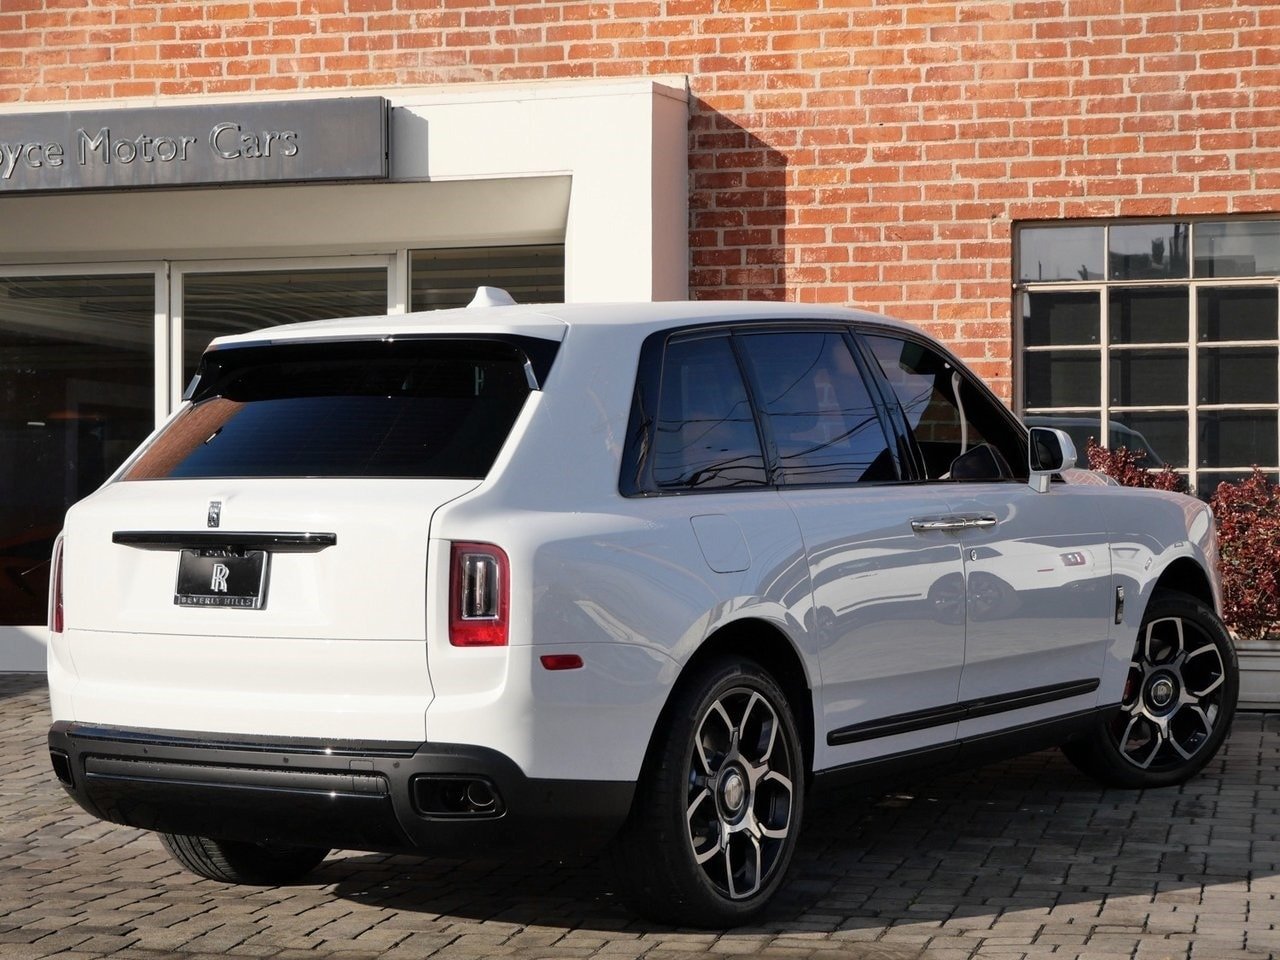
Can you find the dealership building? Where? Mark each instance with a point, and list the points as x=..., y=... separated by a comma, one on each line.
x=1080, y=197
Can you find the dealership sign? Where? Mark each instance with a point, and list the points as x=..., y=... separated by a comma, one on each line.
x=205, y=144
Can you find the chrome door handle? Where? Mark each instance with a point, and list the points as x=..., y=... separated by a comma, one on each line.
x=957, y=522
x=927, y=524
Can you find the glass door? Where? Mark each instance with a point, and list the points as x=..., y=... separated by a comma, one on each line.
x=219, y=298
x=79, y=383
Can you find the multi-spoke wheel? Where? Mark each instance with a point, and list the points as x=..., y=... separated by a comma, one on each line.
x=1178, y=700
x=719, y=805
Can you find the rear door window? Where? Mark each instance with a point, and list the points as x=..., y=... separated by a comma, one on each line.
x=415, y=408
x=817, y=409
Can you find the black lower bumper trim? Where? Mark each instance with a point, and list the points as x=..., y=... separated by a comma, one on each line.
x=336, y=795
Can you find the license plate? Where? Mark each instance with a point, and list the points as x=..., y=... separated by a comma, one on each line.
x=222, y=578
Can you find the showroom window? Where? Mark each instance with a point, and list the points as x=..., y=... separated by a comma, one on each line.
x=95, y=356
x=1162, y=337
x=218, y=303
x=77, y=374
x=448, y=278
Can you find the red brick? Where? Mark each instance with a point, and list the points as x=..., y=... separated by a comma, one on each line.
x=1170, y=185
x=1227, y=60
x=1188, y=205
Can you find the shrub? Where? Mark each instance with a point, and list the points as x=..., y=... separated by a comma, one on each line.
x=1125, y=466
x=1248, y=516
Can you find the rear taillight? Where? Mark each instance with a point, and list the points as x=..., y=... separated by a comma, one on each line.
x=55, y=590
x=478, y=586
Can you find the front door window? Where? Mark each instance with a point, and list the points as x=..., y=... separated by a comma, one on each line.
x=962, y=433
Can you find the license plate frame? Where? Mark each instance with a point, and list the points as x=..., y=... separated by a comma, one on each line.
x=217, y=577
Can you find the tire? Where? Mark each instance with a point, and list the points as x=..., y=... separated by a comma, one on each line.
x=1178, y=702
x=235, y=861
x=719, y=804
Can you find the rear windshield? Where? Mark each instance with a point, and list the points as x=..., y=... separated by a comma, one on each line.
x=408, y=408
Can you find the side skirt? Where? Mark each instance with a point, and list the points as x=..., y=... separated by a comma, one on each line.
x=953, y=712
x=880, y=773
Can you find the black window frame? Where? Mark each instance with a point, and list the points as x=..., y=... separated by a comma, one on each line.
x=635, y=476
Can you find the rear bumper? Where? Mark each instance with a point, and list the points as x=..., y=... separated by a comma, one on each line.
x=380, y=796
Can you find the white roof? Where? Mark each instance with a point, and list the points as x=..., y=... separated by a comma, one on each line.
x=550, y=321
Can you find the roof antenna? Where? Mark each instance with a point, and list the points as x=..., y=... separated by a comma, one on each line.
x=491, y=297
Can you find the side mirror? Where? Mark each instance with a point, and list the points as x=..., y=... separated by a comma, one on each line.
x=1051, y=452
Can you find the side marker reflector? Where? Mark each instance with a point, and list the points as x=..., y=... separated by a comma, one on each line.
x=561, y=661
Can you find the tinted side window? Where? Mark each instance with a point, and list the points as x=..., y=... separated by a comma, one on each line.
x=948, y=416
x=705, y=434
x=820, y=414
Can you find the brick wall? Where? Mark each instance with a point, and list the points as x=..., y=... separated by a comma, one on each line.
x=864, y=151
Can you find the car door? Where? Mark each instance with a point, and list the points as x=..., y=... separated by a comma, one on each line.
x=1037, y=566
x=888, y=599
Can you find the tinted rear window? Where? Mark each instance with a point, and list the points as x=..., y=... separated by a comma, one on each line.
x=424, y=408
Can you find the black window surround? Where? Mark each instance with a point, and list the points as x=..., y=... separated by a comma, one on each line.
x=636, y=475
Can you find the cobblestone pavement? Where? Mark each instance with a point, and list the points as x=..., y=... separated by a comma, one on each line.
x=1020, y=859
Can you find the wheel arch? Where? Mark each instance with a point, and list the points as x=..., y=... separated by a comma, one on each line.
x=767, y=645
x=1185, y=575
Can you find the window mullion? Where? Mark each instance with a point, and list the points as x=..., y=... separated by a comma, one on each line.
x=1193, y=385
x=1104, y=378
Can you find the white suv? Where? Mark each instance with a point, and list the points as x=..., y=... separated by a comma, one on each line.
x=560, y=577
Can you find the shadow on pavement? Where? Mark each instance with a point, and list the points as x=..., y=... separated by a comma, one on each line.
x=1028, y=834
x=18, y=684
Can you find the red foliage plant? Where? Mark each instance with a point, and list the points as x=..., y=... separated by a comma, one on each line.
x=1125, y=467
x=1248, y=515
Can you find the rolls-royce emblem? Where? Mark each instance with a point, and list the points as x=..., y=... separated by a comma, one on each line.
x=218, y=582
x=215, y=512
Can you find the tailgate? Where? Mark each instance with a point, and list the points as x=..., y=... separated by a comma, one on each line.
x=336, y=648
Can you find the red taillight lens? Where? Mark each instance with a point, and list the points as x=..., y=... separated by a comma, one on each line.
x=55, y=591
x=478, y=587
